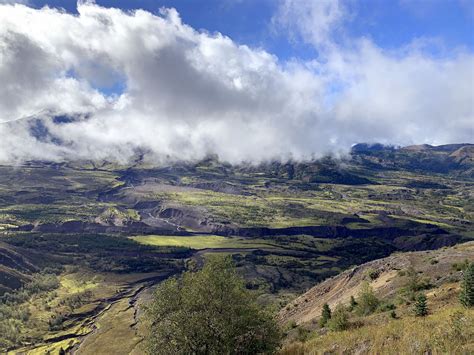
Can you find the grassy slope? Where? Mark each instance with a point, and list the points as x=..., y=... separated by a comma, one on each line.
x=449, y=328
x=437, y=333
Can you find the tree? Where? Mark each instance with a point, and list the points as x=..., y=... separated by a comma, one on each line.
x=325, y=315
x=340, y=319
x=367, y=301
x=467, y=287
x=209, y=312
x=421, y=308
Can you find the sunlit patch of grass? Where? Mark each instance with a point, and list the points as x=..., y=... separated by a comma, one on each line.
x=53, y=348
x=71, y=283
x=202, y=242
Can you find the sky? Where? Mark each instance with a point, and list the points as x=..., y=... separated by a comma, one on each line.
x=248, y=80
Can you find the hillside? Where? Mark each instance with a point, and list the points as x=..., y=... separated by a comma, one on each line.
x=16, y=267
x=437, y=271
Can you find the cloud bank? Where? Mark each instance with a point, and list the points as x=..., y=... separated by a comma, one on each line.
x=106, y=84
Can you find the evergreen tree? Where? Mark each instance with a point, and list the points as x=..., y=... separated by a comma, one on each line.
x=325, y=315
x=421, y=308
x=209, y=312
x=467, y=287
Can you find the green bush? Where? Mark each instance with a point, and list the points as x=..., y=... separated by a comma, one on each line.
x=385, y=306
x=367, y=301
x=460, y=266
x=352, y=304
x=414, y=284
x=372, y=274
x=340, y=319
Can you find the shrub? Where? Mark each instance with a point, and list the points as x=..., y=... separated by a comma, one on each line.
x=368, y=302
x=386, y=306
x=340, y=319
x=414, y=284
x=352, y=304
x=56, y=321
x=302, y=334
x=373, y=274
x=460, y=266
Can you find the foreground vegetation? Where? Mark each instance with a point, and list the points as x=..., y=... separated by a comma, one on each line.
x=448, y=331
x=209, y=312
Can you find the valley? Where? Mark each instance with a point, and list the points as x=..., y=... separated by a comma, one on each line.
x=82, y=244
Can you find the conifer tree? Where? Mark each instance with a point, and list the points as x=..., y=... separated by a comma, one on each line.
x=325, y=315
x=421, y=308
x=467, y=287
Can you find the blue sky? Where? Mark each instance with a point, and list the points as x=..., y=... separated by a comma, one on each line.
x=389, y=23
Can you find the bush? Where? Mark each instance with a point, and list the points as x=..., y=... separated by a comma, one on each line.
x=339, y=320
x=386, y=306
x=368, y=302
x=56, y=321
x=352, y=304
x=373, y=274
x=209, y=312
x=302, y=334
x=414, y=284
x=460, y=266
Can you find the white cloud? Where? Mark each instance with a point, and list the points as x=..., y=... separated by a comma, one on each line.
x=187, y=94
x=315, y=21
x=14, y=2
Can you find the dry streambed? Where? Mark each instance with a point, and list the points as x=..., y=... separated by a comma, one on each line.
x=108, y=324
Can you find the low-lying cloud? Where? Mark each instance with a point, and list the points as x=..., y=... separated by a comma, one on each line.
x=106, y=84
